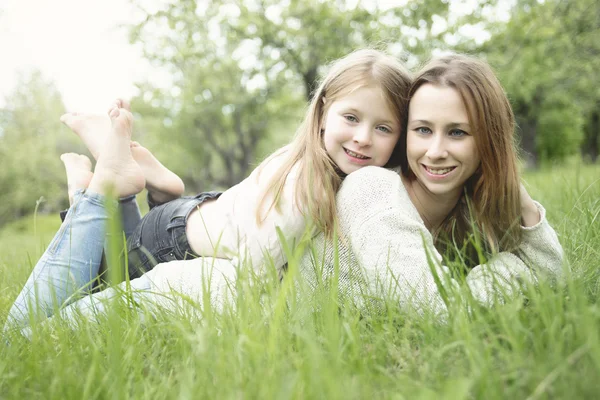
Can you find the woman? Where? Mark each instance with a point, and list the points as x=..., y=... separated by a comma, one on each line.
x=458, y=185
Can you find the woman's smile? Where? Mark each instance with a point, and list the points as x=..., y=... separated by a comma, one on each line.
x=441, y=148
x=438, y=172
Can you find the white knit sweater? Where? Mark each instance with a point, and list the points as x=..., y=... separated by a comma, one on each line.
x=383, y=249
x=383, y=242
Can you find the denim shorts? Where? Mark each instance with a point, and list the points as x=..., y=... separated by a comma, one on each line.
x=160, y=236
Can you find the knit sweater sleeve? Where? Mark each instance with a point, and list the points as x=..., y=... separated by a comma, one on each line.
x=540, y=256
x=395, y=250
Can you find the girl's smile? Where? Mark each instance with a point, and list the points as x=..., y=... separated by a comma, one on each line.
x=360, y=129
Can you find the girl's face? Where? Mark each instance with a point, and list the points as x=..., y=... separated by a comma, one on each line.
x=360, y=129
x=441, y=150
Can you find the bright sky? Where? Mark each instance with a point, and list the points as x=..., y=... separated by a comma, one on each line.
x=79, y=45
x=75, y=43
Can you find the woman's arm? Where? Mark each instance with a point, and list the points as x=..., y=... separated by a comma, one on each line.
x=397, y=254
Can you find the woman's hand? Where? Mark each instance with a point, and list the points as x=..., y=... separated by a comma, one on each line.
x=530, y=214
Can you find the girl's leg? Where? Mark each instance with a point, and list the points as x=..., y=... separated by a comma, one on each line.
x=163, y=185
x=94, y=305
x=79, y=174
x=69, y=264
x=71, y=261
x=130, y=214
x=129, y=211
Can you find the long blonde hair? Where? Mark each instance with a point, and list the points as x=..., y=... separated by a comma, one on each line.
x=490, y=205
x=318, y=179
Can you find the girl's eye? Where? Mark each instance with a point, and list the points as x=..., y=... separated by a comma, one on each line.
x=351, y=118
x=457, y=133
x=384, y=129
x=423, y=130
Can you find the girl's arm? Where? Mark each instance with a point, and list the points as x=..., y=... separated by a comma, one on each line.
x=395, y=250
x=228, y=227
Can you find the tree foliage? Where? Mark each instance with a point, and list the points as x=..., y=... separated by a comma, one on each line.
x=242, y=70
x=239, y=74
x=547, y=56
x=32, y=138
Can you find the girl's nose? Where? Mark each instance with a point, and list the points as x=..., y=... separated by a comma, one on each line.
x=362, y=136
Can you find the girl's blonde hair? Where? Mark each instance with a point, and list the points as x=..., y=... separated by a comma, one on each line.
x=318, y=178
x=490, y=205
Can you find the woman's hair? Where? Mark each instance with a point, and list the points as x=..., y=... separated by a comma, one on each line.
x=490, y=206
x=318, y=178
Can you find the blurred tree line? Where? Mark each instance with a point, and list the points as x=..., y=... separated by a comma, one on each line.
x=241, y=72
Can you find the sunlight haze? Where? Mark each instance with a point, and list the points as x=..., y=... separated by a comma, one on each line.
x=76, y=44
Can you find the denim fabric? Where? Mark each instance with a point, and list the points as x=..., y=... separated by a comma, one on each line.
x=130, y=218
x=130, y=214
x=160, y=236
x=94, y=305
x=129, y=211
x=70, y=263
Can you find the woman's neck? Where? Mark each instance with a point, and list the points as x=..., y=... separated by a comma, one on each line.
x=432, y=208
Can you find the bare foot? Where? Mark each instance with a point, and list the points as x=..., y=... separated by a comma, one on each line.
x=79, y=172
x=91, y=128
x=163, y=185
x=120, y=103
x=116, y=169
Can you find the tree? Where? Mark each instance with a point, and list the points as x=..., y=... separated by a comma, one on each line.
x=547, y=59
x=241, y=70
x=591, y=144
x=30, y=144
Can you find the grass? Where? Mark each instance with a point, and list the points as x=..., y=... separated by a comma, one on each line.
x=549, y=348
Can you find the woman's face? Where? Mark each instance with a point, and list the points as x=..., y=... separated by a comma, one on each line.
x=441, y=150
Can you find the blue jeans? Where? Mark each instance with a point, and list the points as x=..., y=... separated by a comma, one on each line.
x=70, y=264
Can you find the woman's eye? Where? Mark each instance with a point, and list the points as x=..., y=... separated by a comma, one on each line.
x=384, y=129
x=423, y=130
x=457, y=133
x=351, y=118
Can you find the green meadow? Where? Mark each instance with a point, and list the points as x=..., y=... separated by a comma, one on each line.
x=274, y=345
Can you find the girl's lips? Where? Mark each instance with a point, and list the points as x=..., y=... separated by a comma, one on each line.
x=352, y=155
x=434, y=173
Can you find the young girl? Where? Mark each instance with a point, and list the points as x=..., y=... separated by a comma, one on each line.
x=354, y=120
x=459, y=180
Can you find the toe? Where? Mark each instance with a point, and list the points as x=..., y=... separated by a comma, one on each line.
x=113, y=112
x=124, y=104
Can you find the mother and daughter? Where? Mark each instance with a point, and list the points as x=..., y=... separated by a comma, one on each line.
x=450, y=130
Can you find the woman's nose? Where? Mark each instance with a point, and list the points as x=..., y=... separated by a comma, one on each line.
x=437, y=147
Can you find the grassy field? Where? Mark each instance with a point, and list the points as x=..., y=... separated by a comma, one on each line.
x=549, y=348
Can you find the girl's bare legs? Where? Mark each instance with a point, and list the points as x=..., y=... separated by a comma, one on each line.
x=116, y=171
x=162, y=184
x=79, y=173
x=70, y=263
